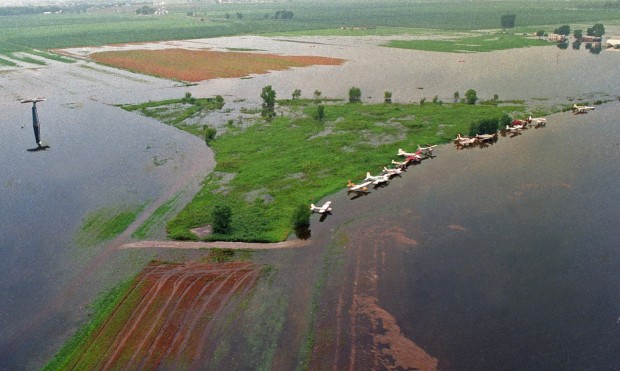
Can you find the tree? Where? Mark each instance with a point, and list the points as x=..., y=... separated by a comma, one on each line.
x=320, y=112
x=387, y=97
x=598, y=30
x=296, y=93
x=355, y=95
x=209, y=134
x=508, y=21
x=540, y=33
x=485, y=126
x=222, y=216
x=578, y=34
x=317, y=95
x=269, y=102
x=436, y=99
x=563, y=30
x=239, y=15
x=471, y=96
x=301, y=217
x=456, y=96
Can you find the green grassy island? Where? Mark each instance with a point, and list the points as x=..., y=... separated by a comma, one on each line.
x=267, y=169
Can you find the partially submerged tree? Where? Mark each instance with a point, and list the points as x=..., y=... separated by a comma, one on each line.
x=355, y=95
x=317, y=95
x=296, y=93
x=471, y=96
x=456, y=96
x=387, y=97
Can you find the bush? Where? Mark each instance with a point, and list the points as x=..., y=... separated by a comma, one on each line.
x=320, y=112
x=222, y=216
x=471, y=96
x=209, y=134
x=355, y=95
x=485, y=126
x=301, y=217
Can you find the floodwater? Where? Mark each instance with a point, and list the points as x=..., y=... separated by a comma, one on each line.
x=514, y=264
x=498, y=258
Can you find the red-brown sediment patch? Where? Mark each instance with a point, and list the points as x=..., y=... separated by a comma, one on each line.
x=355, y=330
x=457, y=227
x=199, y=65
x=166, y=316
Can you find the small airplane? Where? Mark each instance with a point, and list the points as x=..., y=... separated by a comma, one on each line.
x=426, y=151
x=401, y=164
x=538, y=121
x=378, y=179
x=515, y=128
x=325, y=209
x=36, y=125
x=464, y=141
x=485, y=137
x=409, y=154
x=392, y=172
x=360, y=188
x=581, y=109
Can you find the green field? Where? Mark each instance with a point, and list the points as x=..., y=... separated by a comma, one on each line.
x=185, y=21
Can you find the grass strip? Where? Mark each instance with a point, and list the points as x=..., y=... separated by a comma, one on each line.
x=471, y=44
x=101, y=309
x=106, y=223
x=156, y=218
x=52, y=56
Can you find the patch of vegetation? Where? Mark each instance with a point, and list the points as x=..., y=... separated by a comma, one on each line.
x=179, y=112
x=100, y=310
x=52, y=56
x=106, y=223
x=228, y=255
x=470, y=44
x=156, y=218
x=27, y=59
x=296, y=159
x=6, y=62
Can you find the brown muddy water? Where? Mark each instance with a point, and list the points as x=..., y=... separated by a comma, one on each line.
x=502, y=257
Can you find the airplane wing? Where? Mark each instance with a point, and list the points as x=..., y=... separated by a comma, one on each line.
x=325, y=207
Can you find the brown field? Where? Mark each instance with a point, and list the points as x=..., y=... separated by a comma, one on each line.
x=167, y=316
x=199, y=65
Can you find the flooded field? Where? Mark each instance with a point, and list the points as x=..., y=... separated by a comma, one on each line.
x=490, y=258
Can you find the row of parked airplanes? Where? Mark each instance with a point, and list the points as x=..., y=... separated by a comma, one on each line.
x=384, y=177
x=425, y=152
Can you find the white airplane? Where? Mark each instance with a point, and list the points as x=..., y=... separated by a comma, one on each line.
x=361, y=188
x=392, y=172
x=485, y=137
x=426, y=151
x=415, y=155
x=537, y=121
x=581, y=109
x=400, y=164
x=464, y=141
x=378, y=179
x=514, y=129
x=323, y=209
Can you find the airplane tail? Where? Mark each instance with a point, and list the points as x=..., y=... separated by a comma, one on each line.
x=368, y=175
x=350, y=183
x=312, y=207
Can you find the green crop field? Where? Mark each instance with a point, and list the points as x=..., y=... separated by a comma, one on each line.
x=186, y=21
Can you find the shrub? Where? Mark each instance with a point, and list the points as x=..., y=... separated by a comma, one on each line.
x=301, y=217
x=222, y=216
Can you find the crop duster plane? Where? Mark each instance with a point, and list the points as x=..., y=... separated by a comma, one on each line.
x=325, y=209
x=359, y=188
x=377, y=179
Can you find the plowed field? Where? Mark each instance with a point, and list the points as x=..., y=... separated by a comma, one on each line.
x=166, y=316
x=199, y=65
